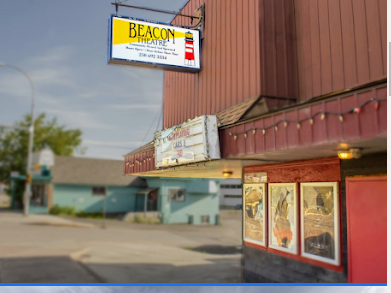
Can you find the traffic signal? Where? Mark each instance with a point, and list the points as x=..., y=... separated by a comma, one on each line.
x=29, y=178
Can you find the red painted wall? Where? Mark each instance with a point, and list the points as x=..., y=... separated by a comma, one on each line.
x=366, y=208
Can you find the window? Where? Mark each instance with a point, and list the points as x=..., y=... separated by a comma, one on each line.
x=98, y=191
x=231, y=186
x=176, y=194
x=232, y=196
x=204, y=219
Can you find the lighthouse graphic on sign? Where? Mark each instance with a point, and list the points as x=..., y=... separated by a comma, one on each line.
x=189, y=49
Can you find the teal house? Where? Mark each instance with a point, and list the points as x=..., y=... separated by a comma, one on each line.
x=187, y=200
x=92, y=185
x=98, y=185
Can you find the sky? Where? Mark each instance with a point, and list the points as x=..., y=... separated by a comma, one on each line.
x=62, y=45
x=232, y=289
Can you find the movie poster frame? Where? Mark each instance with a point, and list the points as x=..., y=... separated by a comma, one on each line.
x=263, y=186
x=296, y=218
x=337, y=257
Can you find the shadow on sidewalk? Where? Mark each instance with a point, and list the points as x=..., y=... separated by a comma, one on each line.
x=58, y=269
x=63, y=269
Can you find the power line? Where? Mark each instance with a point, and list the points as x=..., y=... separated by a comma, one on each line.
x=149, y=129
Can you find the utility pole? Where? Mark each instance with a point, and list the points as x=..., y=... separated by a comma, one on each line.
x=27, y=190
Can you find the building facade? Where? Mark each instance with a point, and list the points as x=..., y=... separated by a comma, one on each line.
x=230, y=193
x=297, y=87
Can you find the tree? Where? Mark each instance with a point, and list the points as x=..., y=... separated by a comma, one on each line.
x=47, y=133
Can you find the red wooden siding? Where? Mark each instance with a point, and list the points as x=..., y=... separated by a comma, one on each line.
x=289, y=48
x=369, y=123
x=248, y=50
x=341, y=44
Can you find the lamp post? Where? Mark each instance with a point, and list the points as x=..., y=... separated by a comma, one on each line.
x=27, y=190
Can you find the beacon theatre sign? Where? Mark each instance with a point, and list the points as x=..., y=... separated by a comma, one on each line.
x=155, y=45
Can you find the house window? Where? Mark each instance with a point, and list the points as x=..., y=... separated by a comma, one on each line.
x=232, y=196
x=231, y=186
x=98, y=191
x=204, y=219
x=176, y=194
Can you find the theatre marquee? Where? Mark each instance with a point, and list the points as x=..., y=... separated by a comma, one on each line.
x=196, y=140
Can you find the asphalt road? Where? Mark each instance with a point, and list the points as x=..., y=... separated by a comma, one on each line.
x=37, y=249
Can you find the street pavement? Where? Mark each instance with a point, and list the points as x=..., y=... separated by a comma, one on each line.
x=44, y=248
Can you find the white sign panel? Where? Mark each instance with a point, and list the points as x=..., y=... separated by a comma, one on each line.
x=196, y=140
x=148, y=44
x=44, y=157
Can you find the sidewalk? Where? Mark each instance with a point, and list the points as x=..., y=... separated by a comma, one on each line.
x=122, y=252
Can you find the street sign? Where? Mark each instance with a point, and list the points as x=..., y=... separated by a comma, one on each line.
x=14, y=174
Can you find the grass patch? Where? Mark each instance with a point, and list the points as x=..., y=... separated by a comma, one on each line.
x=71, y=211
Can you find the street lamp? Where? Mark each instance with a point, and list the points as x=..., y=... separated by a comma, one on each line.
x=27, y=190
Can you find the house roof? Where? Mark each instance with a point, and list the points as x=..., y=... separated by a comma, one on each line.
x=73, y=170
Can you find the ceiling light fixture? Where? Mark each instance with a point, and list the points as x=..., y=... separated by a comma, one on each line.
x=227, y=174
x=353, y=153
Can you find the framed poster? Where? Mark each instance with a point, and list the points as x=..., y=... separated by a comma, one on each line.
x=283, y=222
x=320, y=221
x=254, y=213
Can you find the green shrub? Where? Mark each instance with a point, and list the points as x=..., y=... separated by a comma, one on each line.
x=83, y=214
x=65, y=210
x=55, y=210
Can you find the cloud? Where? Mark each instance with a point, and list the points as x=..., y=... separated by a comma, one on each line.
x=14, y=84
x=79, y=119
x=53, y=56
x=53, y=76
x=122, y=144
